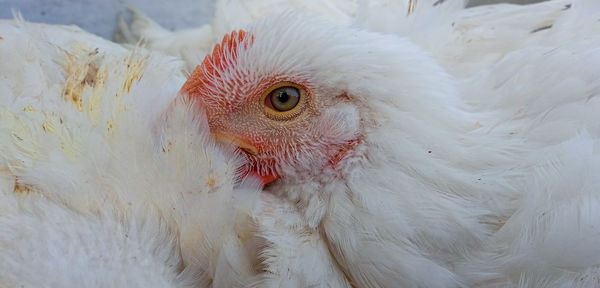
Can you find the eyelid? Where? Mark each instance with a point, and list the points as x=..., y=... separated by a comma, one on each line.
x=270, y=111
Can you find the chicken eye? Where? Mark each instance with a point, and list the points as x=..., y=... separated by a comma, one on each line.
x=284, y=98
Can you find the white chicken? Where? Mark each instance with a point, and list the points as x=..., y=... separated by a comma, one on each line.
x=106, y=180
x=463, y=154
x=460, y=149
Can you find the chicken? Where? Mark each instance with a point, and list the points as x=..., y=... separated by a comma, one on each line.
x=191, y=45
x=107, y=178
x=411, y=164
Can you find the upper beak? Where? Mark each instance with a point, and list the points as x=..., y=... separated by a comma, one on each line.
x=250, y=149
x=230, y=139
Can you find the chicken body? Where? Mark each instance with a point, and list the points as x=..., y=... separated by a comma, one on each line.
x=106, y=179
x=413, y=167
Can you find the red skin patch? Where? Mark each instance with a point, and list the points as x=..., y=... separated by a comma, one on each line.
x=342, y=153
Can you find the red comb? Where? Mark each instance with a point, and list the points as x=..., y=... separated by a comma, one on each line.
x=223, y=57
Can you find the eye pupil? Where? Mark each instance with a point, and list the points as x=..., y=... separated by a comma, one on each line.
x=285, y=98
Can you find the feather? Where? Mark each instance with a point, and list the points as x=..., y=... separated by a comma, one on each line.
x=115, y=182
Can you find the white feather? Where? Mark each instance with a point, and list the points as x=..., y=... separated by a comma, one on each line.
x=115, y=181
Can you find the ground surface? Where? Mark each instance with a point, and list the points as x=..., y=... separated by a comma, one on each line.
x=99, y=16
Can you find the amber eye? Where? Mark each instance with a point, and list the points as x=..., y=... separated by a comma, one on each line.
x=283, y=100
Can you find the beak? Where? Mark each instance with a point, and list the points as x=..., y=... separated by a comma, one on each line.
x=265, y=179
x=229, y=139
x=250, y=149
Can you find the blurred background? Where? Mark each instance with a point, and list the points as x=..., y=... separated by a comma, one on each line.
x=100, y=16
